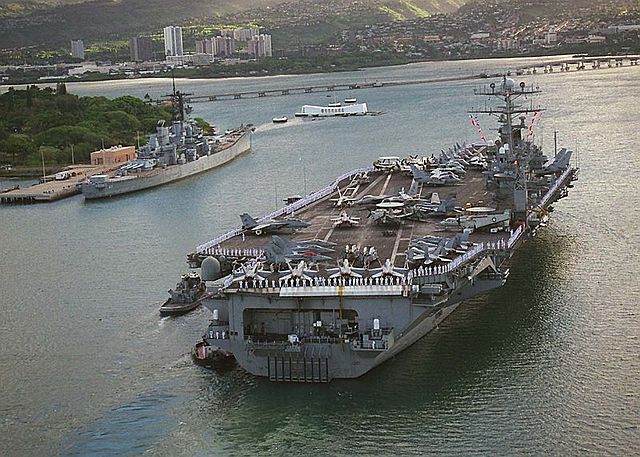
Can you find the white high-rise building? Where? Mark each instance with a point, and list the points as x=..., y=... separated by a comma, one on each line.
x=245, y=34
x=77, y=49
x=173, y=41
x=224, y=46
x=207, y=46
x=260, y=46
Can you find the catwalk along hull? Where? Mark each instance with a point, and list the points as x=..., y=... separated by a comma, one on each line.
x=233, y=147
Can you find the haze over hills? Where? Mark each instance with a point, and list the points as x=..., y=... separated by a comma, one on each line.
x=58, y=21
x=542, y=8
x=53, y=23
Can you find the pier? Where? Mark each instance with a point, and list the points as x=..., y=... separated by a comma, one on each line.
x=51, y=189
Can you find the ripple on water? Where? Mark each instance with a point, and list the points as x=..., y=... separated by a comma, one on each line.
x=547, y=364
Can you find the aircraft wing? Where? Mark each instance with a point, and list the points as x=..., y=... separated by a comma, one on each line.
x=264, y=227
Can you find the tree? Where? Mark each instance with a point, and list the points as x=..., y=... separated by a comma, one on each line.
x=67, y=134
x=11, y=101
x=36, y=117
x=61, y=89
x=18, y=144
x=204, y=125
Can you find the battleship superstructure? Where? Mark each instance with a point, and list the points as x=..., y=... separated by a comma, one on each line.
x=174, y=152
x=335, y=300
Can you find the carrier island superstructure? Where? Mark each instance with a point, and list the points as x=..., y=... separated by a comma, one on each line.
x=382, y=255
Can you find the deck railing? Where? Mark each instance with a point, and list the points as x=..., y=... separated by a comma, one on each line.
x=318, y=281
x=433, y=273
x=556, y=185
x=514, y=236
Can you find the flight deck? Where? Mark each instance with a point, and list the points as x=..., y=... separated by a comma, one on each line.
x=391, y=236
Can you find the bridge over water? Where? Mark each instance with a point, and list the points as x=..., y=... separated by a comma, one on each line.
x=320, y=88
x=578, y=63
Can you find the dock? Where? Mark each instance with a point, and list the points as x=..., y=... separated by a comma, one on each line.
x=52, y=190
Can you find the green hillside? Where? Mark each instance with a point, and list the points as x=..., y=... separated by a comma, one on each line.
x=44, y=24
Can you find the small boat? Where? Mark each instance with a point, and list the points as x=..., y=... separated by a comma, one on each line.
x=280, y=120
x=211, y=356
x=350, y=100
x=334, y=105
x=188, y=295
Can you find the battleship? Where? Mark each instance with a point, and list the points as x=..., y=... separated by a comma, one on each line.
x=174, y=152
x=385, y=253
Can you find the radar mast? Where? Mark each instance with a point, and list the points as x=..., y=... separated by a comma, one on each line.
x=517, y=150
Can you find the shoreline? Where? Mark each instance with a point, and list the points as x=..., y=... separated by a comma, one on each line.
x=244, y=73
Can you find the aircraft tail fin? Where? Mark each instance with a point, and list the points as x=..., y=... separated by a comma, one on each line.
x=247, y=221
x=415, y=187
x=440, y=249
x=417, y=173
x=450, y=202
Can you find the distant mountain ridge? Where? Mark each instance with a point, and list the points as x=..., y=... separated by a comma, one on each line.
x=58, y=21
x=51, y=23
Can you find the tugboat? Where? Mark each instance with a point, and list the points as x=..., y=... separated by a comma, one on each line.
x=210, y=356
x=188, y=295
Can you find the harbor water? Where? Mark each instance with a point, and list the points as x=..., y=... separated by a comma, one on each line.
x=549, y=364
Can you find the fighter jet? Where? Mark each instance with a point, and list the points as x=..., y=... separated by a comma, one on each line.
x=250, y=224
x=345, y=270
x=388, y=217
x=280, y=251
x=344, y=220
x=250, y=271
x=436, y=208
x=413, y=195
x=422, y=177
x=388, y=269
x=299, y=272
x=477, y=222
x=558, y=164
x=342, y=200
x=369, y=200
x=425, y=253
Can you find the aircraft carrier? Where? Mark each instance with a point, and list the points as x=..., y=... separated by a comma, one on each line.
x=379, y=257
x=174, y=152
